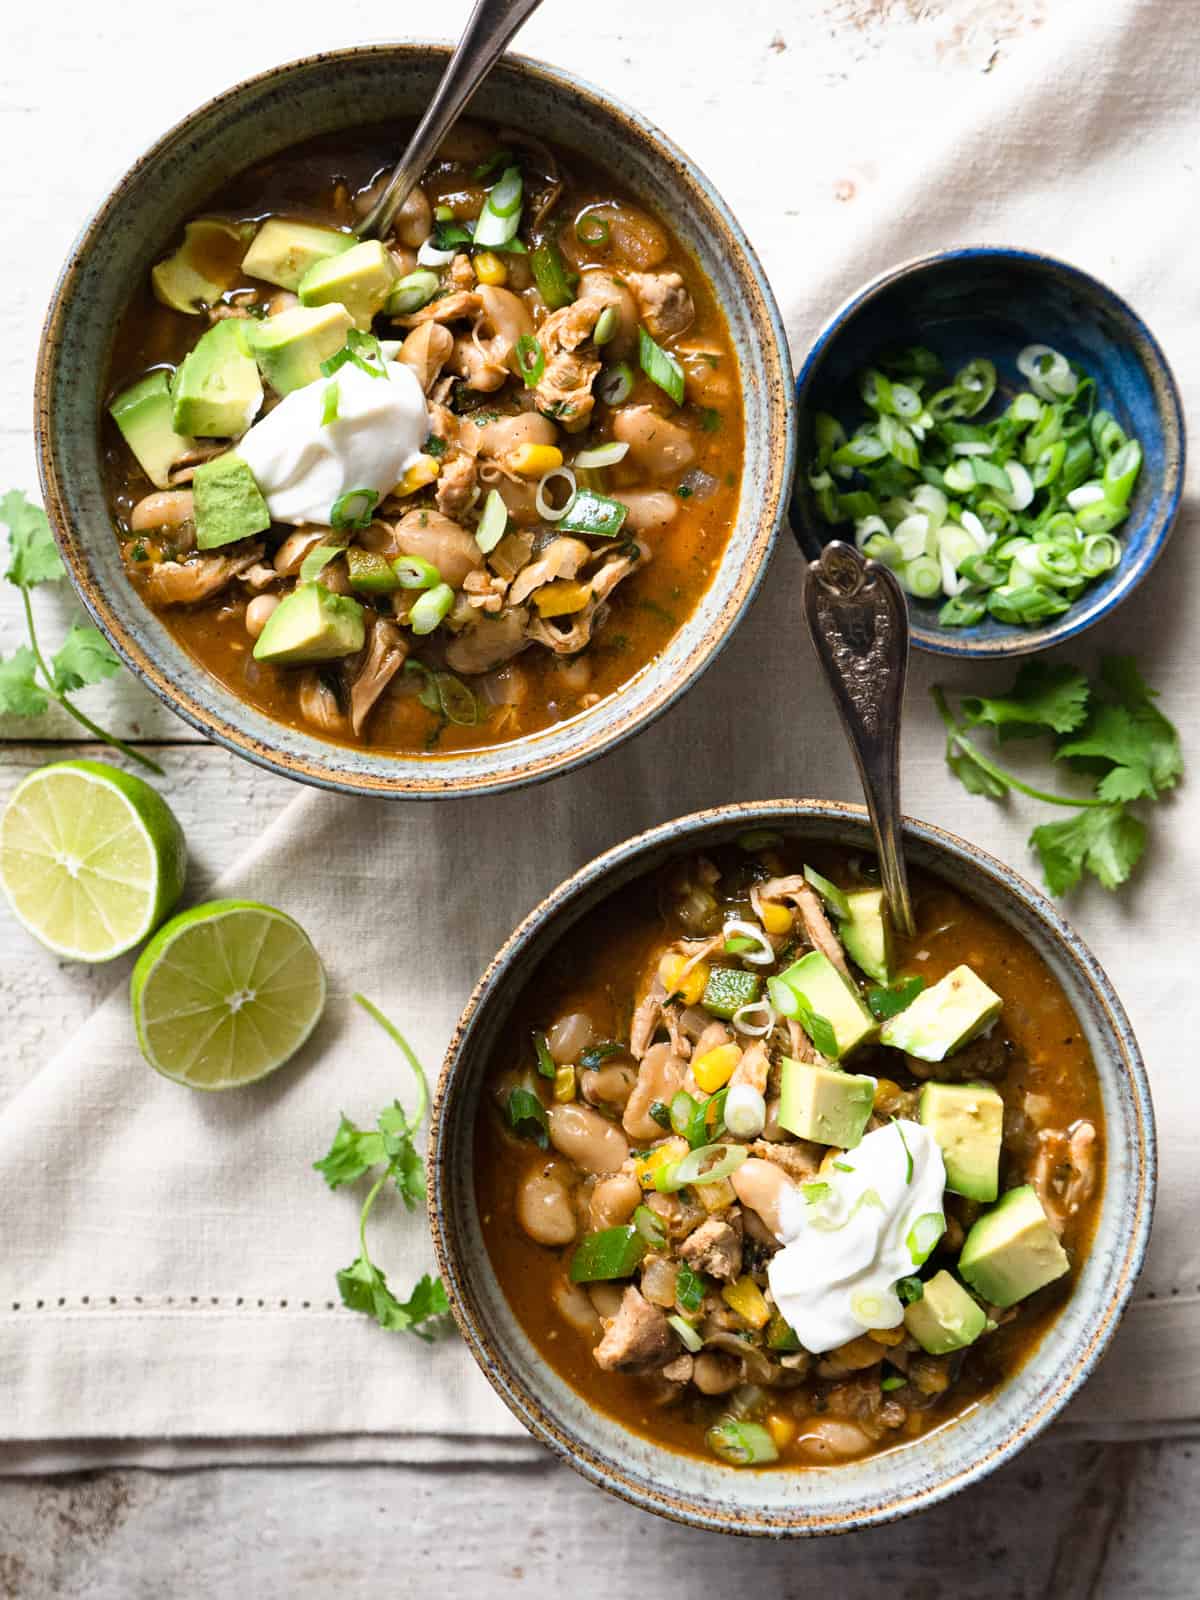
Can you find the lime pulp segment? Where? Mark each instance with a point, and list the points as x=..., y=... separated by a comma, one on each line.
x=225, y=993
x=90, y=858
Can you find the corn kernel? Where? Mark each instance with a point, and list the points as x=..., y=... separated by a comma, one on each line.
x=713, y=1070
x=423, y=470
x=782, y=1429
x=887, y=1093
x=689, y=986
x=776, y=918
x=561, y=598
x=887, y=1336
x=564, y=1084
x=663, y=1155
x=746, y=1298
x=718, y=1196
x=490, y=269
x=532, y=460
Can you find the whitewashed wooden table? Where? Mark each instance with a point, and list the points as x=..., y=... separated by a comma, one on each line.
x=80, y=96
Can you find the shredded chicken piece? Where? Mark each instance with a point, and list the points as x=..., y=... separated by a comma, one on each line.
x=484, y=592
x=638, y=1338
x=386, y=653
x=462, y=273
x=562, y=558
x=664, y=304
x=460, y=305
x=800, y=893
x=543, y=631
x=1064, y=1170
x=488, y=641
x=754, y=1067
x=564, y=391
x=456, y=490
x=799, y=1159
x=715, y=1247
x=260, y=577
x=646, y=1019
x=185, y=583
x=319, y=704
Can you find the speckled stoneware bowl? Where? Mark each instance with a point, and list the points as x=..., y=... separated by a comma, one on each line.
x=989, y=301
x=322, y=94
x=707, y=1494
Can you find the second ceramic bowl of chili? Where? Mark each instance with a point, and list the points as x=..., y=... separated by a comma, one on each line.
x=766, y=1221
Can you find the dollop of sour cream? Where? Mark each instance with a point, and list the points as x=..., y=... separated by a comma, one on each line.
x=848, y=1236
x=304, y=465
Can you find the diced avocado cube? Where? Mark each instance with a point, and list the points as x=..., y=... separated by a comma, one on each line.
x=824, y=1104
x=144, y=415
x=217, y=390
x=967, y=1120
x=828, y=996
x=370, y=572
x=290, y=348
x=311, y=624
x=284, y=251
x=945, y=1318
x=361, y=280
x=228, y=503
x=207, y=263
x=943, y=1017
x=867, y=933
x=728, y=989
x=1012, y=1250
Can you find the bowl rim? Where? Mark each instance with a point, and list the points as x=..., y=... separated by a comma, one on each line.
x=1152, y=358
x=316, y=763
x=525, y=1404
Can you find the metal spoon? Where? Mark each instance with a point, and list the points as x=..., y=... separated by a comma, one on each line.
x=857, y=616
x=488, y=31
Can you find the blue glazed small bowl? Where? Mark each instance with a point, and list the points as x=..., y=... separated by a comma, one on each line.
x=991, y=301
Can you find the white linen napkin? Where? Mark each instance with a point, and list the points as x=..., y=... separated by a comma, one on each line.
x=167, y=1273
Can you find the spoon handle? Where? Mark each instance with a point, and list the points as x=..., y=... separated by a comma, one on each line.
x=857, y=616
x=488, y=31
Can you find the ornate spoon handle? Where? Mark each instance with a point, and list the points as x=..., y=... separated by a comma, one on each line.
x=858, y=618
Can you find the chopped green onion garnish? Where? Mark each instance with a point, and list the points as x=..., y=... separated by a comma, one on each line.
x=363, y=350
x=546, y=1064
x=527, y=1117
x=410, y=293
x=602, y=455
x=689, y=1288
x=415, y=573
x=555, y=283
x=892, y=1381
x=591, y=229
x=432, y=607
x=329, y=405
x=354, y=509
x=924, y=1235
x=492, y=523
x=317, y=559
x=501, y=215
x=660, y=366
x=606, y=325
x=742, y=1444
x=531, y=360
x=709, y=1164
x=615, y=384
x=688, y=1336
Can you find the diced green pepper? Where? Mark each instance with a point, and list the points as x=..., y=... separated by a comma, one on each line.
x=728, y=989
x=780, y=1334
x=611, y=1253
x=370, y=572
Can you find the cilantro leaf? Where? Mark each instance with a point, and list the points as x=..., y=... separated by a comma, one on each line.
x=84, y=657
x=819, y=1029
x=975, y=778
x=885, y=1003
x=19, y=692
x=1105, y=840
x=1045, y=695
x=1163, y=752
x=1111, y=735
x=352, y=1153
x=33, y=554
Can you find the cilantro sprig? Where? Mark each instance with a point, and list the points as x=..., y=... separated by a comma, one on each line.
x=1108, y=731
x=355, y=1152
x=28, y=681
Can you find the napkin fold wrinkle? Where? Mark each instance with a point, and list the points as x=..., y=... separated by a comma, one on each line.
x=167, y=1291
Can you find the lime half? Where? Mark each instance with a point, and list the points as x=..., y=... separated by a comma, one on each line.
x=225, y=993
x=91, y=858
